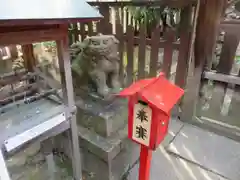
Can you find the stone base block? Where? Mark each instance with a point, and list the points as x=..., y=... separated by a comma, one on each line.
x=114, y=169
x=104, y=158
x=101, y=117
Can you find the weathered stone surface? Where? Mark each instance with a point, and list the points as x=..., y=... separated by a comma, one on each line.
x=114, y=169
x=167, y=167
x=36, y=169
x=104, y=119
x=109, y=163
x=214, y=152
x=105, y=148
x=33, y=149
x=95, y=65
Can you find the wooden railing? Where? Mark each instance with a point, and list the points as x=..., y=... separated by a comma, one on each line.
x=220, y=94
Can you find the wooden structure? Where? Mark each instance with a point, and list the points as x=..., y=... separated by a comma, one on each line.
x=25, y=26
x=140, y=56
x=218, y=105
x=186, y=62
x=143, y=57
x=213, y=85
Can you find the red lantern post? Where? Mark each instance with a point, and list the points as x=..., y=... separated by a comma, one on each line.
x=150, y=103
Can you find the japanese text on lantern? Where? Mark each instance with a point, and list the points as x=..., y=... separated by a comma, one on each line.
x=142, y=124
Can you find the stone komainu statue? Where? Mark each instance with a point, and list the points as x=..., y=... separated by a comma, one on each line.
x=95, y=64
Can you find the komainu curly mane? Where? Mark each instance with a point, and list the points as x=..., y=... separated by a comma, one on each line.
x=95, y=64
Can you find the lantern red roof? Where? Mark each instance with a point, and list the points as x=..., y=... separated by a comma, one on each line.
x=157, y=91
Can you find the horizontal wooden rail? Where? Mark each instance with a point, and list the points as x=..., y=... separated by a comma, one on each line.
x=13, y=78
x=170, y=3
x=21, y=75
x=28, y=36
x=221, y=77
x=161, y=43
x=230, y=21
x=11, y=99
x=8, y=78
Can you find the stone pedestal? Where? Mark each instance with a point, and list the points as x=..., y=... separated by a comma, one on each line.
x=106, y=151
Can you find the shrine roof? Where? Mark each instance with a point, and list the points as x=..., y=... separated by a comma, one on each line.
x=24, y=12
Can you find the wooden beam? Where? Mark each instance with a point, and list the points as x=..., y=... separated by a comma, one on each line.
x=230, y=79
x=68, y=100
x=18, y=96
x=10, y=93
x=8, y=78
x=231, y=27
x=30, y=36
x=18, y=28
x=185, y=40
x=162, y=43
x=15, y=78
x=170, y=3
x=28, y=57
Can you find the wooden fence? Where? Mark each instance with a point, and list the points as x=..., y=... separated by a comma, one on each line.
x=219, y=102
x=142, y=56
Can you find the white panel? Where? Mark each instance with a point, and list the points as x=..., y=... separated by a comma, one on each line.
x=142, y=120
x=26, y=136
x=3, y=168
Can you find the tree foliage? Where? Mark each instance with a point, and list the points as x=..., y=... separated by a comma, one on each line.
x=154, y=17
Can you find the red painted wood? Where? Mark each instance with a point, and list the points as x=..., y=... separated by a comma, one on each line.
x=145, y=163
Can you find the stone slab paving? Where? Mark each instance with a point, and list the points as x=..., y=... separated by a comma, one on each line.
x=165, y=166
x=174, y=127
x=213, y=152
x=168, y=167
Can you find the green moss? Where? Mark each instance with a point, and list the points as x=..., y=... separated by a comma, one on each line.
x=237, y=59
x=65, y=165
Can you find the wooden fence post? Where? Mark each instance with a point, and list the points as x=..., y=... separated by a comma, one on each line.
x=103, y=25
x=208, y=21
x=28, y=56
x=185, y=37
x=29, y=59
